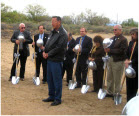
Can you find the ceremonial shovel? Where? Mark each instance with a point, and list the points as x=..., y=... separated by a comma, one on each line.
x=86, y=87
x=72, y=84
x=15, y=79
x=117, y=96
x=36, y=80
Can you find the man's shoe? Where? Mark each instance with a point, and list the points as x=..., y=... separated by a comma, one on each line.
x=22, y=79
x=48, y=100
x=109, y=95
x=44, y=82
x=55, y=103
x=78, y=86
x=10, y=79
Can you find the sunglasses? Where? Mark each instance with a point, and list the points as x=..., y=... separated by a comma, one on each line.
x=22, y=27
x=114, y=29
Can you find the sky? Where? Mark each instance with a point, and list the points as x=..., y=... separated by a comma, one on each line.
x=114, y=9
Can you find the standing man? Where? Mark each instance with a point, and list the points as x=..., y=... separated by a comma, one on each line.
x=68, y=59
x=24, y=52
x=40, y=60
x=54, y=53
x=117, y=53
x=86, y=45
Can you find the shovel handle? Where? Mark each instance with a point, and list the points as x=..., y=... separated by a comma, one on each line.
x=132, y=50
x=17, y=60
x=77, y=60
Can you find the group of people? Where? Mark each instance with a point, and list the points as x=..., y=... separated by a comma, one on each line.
x=57, y=55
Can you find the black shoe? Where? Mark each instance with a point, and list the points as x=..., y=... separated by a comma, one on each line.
x=109, y=95
x=48, y=100
x=44, y=82
x=55, y=103
x=93, y=91
x=10, y=79
x=67, y=84
x=22, y=79
x=78, y=86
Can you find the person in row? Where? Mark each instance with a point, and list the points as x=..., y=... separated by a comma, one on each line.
x=96, y=55
x=82, y=67
x=117, y=53
x=39, y=59
x=68, y=58
x=23, y=50
x=132, y=83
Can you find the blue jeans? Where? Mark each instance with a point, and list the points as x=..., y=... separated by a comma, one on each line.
x=54, y=79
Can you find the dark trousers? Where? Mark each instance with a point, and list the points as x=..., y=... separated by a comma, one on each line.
x=22, y=59
x=68, y=67
x=81, y=74
x=98, y=78
x=131, y=86
x=40, y=60
x=54, y=79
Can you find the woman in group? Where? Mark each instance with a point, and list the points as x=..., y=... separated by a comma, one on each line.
x=96, y=55
x=132, y=83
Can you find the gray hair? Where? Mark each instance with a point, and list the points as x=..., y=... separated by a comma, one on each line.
x=118, y=26
x=21, y=24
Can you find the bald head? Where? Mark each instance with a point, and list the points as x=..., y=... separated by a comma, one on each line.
x=117, y=29
x=22, y=27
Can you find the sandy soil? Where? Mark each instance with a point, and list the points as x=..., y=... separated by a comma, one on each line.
x=26, y=99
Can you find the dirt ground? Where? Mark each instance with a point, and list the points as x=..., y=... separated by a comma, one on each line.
x=25, y=98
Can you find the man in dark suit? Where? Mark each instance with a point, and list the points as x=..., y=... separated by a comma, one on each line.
x=39, y=59
x=86, y=45
x=68, y=59
x=117, y=53
x=23, y=51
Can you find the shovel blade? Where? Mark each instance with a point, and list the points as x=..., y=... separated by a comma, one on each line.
x=101, y=94
x=117, y=99
x=17, y=79
x=73, y=85
x=14, y=80
x=84, y=89
x=37, y=81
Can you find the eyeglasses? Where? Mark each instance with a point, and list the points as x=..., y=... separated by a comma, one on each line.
x=114, y=29
x=132, y=33
x=22, y=27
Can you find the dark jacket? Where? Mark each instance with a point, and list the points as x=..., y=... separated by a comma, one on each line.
x=118, y=49
x=86, y=47
x=69, y=52
x=98, y=56
x=28, y=40
x=134, y=56
x=56, y=45
x=36, y=37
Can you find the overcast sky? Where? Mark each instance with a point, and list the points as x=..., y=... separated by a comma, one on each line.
x=113, y=9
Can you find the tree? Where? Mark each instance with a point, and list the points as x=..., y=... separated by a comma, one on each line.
x=5, y=9
x=129, y=22
x=35, y=12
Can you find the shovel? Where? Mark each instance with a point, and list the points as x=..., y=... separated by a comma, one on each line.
x=16, y=79
x=72, y=84
x=117, y=96
x=102, y=92
x=36, y=80
x=86, y=87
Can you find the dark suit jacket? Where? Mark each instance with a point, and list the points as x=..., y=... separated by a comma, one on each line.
x=118, y=50
x=69, y=52
x=86, y=47
x=36, y=37
x=28, y=40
